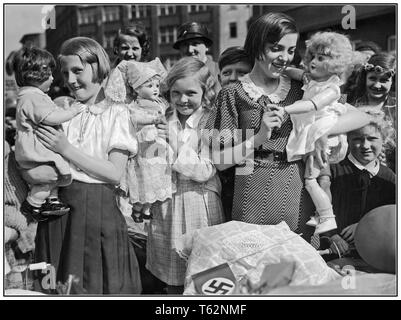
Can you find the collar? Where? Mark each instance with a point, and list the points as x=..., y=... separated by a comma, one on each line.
x=193, y=121
x=372, y=167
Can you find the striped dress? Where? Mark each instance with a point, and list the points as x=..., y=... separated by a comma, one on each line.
x=273, y=190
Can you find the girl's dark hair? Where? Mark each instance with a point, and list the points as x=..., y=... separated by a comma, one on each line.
x=136, y=30
x=269, y=28
x=385, y=60
x=233, y=55
x=32, y=66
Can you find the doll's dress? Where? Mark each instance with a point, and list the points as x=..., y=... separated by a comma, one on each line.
x=309, y=127
x=149, y=174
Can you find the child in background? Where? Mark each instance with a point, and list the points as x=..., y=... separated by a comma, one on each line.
x=359, y=183
x=327, y=58
x=33, y=72
x=148, y=177
x=233, y=64
x=196, y=204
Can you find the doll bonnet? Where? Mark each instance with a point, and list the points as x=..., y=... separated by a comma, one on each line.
x=140, y=72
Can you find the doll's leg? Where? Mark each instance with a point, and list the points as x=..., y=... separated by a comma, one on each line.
x=146, y=211
x=326, y=218
x=137, y=212
x=32, y=206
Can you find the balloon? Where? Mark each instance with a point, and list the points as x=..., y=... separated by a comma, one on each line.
x=375, y=238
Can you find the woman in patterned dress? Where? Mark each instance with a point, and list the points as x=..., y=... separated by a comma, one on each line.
x=268, y=189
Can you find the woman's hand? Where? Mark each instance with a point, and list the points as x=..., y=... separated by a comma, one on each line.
x=273, y=118
x=319, y=155
x=338, y=245
x=53, y=139
x=348, y=233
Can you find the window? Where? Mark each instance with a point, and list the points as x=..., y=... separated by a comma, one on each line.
x=87, y=16
x=167, y=35
x=197, y=8
x=233, y=7
x=391, y=43
x=233, y=30
x=112, y=13
x=166, y=10
x=140, y=11
x=108, y=41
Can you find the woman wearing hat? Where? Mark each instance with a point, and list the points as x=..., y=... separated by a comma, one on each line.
x=194, y=40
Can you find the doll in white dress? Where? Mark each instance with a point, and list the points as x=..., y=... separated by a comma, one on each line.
x=328, y=58
x=148, y=177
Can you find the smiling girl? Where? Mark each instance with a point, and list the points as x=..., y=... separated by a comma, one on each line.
x=92, y=241
x=196, y=203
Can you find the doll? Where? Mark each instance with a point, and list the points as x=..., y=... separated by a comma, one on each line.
x=319, y=114
x=148, y=178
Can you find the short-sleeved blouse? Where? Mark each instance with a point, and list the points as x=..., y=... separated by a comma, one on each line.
x=98, y=130
x=273, y=191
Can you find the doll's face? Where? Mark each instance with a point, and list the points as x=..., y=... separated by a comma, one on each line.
x=318, y=67
x=150, y=90
x=186, y=95
x=378, y=85
x=277, y=56
x=365, y=144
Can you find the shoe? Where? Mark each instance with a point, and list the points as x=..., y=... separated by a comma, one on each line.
x=137, y=216
x=326, y=224
x=314, y=220
x=54, y=207
x=32, y=212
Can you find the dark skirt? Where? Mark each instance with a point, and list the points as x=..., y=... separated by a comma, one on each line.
x=90, y=242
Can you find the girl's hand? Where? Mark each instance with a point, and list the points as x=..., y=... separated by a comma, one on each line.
x=53, y=139
x=348, y=233
x=338, y=245
x=162, y=129
x=273, y=118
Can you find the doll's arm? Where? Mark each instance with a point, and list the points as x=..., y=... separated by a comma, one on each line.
x=294, y=73
x=317, y=102
x=353, y=119
x=59, y=115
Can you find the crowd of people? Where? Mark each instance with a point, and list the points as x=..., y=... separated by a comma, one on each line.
x=252, y=137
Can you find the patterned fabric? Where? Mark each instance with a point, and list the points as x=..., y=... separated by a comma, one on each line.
x=191, y=208
x=274, y=190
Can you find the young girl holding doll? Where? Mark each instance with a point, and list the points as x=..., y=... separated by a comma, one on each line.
x=196, y=204
x=327, y=58
x=91, y=242
x=33, y=72
x=148, y=177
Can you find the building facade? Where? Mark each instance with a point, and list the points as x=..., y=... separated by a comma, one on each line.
x=372, y=22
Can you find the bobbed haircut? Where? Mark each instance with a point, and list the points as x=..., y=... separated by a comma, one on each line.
x=269, y=28
x=233, y=55
x=89, y=52
x=332, y=44
x=188, y=67
x=385, y=60
x=32, y=66
x=137, y=30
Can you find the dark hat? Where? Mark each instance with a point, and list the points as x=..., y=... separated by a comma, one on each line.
x=192, y=30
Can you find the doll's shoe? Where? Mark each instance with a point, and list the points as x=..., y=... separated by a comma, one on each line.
x=137, y=216
x=32, y=212
x=54, y=207
x=313, y=221
x=326, y=224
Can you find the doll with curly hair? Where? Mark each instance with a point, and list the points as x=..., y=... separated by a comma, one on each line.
x=319, y=114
